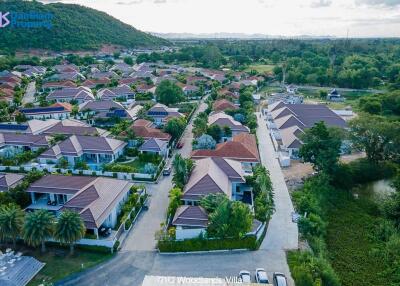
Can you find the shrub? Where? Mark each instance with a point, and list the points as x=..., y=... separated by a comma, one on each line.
x=201, y=244
x=309, y=270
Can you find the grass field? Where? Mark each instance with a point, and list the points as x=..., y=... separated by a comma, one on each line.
x=59, y=267
x=260, y=68
x=351, y=245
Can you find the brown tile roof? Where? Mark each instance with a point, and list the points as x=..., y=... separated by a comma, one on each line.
x=213, y=176
x=8, y=180
x=93, y=198
x=143, y=128
x=192, y=216
x=24, y=140
x=243, y=148
x=66, y=83
x=223, y=104
x=77, y=145
x=221, y=119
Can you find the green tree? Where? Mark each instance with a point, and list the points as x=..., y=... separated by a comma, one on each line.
x=175, y=127
x=321, y=147
x=182, y=170
x=69, y=229
x=199, y=126
x=245, y=96
x=227, y=218
x=215, y=132
x=227, y=131
x=175, y=196
x=377, y=136
x=168, y=93
x=128, y=60
x=240, y=220
x=38, y=227
x=212, y=201
x=11, y=222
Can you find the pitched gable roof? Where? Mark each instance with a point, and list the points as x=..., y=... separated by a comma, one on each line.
x=77, y=145
x=243, y=148
x=193, y=216
x=143, y=128
x=211, y=176
x=223, y=104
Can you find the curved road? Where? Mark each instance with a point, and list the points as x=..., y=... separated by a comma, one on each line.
x=138, y=257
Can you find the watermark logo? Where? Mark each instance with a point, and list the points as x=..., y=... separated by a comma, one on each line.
x=4, y=22
x=26, y=20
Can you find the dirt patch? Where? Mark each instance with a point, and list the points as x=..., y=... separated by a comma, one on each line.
x=352, y=157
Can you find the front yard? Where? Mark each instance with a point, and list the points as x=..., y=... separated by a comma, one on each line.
x=143, y=163
x=59, y=266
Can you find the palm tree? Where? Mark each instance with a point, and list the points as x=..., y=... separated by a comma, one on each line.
x=11, y=222
x=69, y=229
x=38, y=227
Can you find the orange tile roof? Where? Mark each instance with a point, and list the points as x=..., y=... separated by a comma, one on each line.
x=243, y=147
x=223, y=104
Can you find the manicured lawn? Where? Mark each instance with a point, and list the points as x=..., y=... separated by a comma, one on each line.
x=57, y=267
x=350, y=243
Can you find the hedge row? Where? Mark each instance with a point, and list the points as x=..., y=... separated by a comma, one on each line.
x=201, y=244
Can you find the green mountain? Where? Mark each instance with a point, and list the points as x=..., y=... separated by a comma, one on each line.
x=74, y=27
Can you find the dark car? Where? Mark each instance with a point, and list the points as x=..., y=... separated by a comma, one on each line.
x=279, y=279
x=179, y=145
x=167, y=171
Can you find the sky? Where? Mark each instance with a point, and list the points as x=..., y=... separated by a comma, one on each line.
x=357, y=18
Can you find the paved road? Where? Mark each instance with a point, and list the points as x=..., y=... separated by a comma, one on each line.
x=138, y=257
x=142, y=236
x=29, y=96
x=282, y=232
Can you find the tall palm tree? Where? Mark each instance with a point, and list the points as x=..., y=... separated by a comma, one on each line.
x=11, y=222
x=38, y=227
x=69, y=229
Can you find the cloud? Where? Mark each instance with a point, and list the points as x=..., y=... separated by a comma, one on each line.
x=385, y=3
x=321, y=3
x=134, y=2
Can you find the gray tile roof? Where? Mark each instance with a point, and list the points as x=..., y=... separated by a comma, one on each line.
x=77, y=145
x=70, y=93
x=100, y=105
x=309, y=114
x=74, y=127
x=24, y=140
x=154, y=145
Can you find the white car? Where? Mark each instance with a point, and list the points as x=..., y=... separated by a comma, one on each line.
x=261, y=276
x=245, y=276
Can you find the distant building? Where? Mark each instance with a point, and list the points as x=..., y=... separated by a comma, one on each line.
x=335, y=96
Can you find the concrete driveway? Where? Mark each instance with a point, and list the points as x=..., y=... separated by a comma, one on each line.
x=29, y=96
x=138, y=257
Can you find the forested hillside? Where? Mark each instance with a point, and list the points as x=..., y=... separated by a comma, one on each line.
x=74, y=27
x=352, y=63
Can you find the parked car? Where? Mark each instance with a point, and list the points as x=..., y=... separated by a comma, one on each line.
x=179, y=145
x=261, y=276
x=167, y=171
x=245, y=277
x=279, y=279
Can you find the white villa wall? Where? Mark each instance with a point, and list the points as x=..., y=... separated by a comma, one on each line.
x=188, y=233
